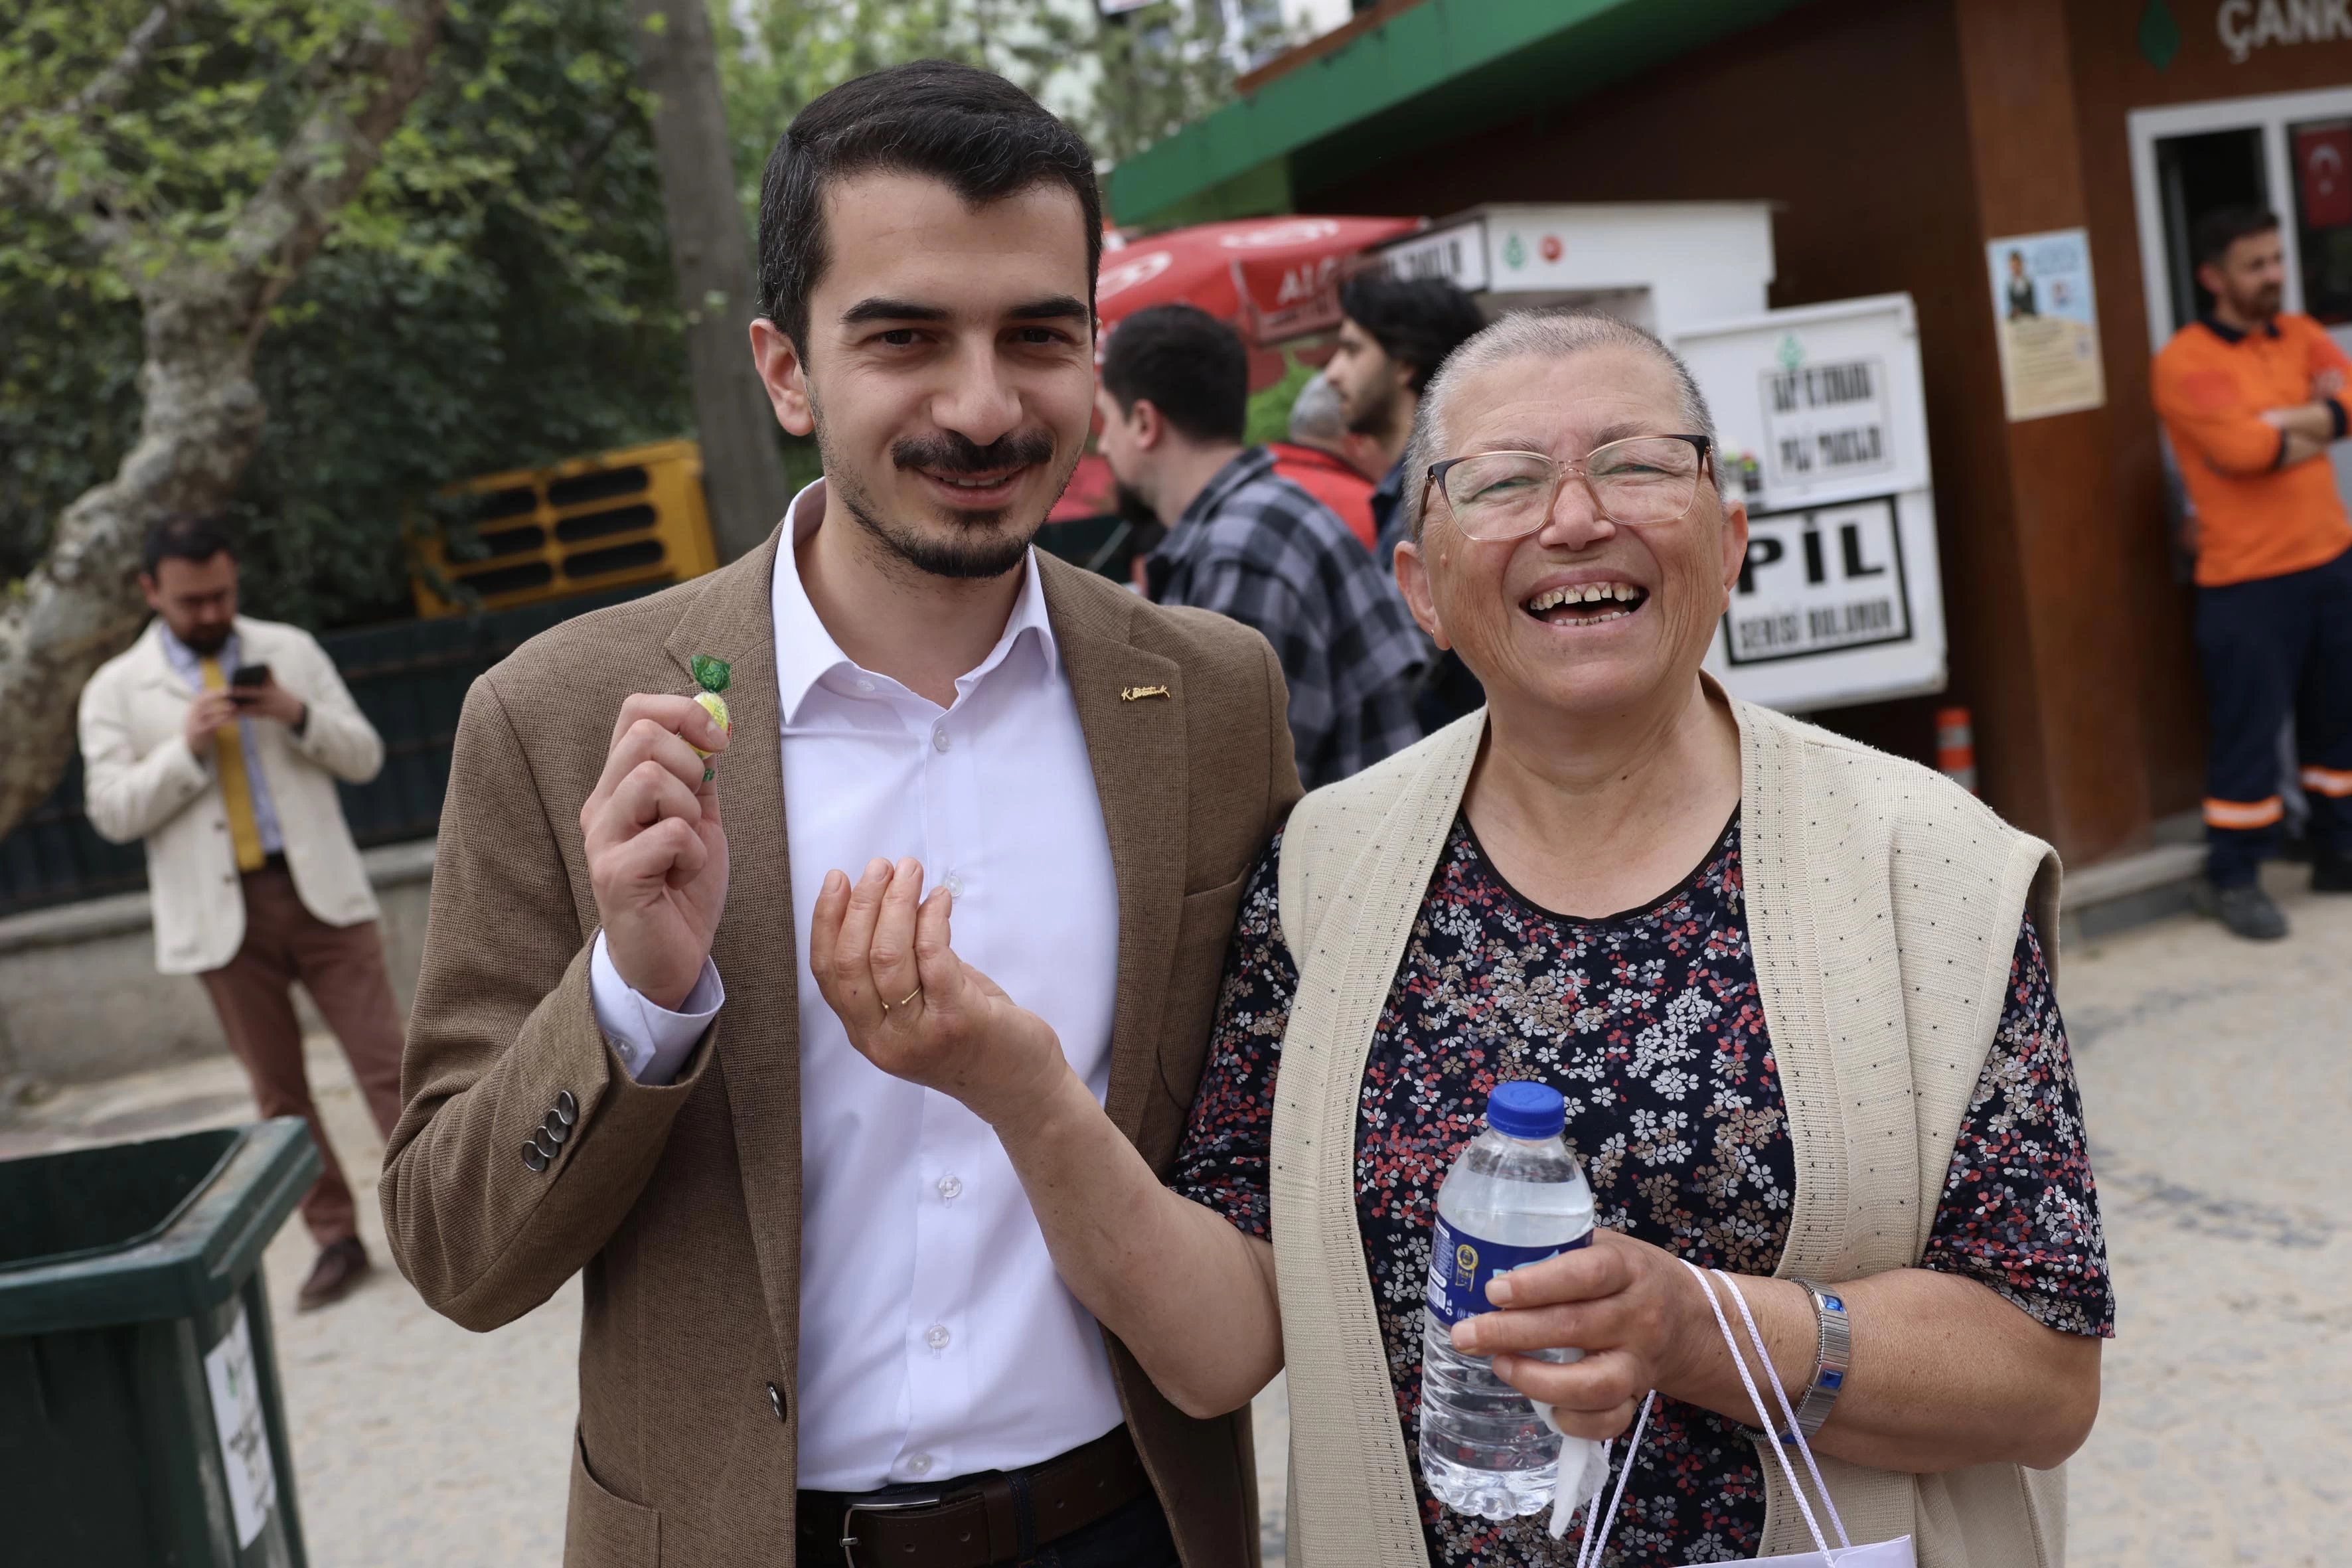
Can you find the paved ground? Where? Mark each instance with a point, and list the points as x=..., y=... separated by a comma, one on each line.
x=2218, y=1078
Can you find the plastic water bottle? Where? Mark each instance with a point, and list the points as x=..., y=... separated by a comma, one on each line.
x=1516, y=1196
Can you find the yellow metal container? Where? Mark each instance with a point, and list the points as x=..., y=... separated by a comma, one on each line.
x=636, y=515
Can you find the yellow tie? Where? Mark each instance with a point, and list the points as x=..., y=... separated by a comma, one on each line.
x=237, y=790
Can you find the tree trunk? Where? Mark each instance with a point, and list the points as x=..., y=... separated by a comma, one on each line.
x=201, y=412
x=742, y=471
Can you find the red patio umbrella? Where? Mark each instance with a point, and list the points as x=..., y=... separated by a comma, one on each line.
x=1273, y=277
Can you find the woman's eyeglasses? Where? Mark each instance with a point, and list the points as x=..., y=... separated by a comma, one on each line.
x=1642, y=480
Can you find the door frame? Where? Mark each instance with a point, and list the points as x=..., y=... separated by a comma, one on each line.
x=2271, y=114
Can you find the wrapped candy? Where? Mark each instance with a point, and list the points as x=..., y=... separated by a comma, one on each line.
x=711, y=675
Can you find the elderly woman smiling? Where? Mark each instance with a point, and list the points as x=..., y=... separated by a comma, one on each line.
x=1797, y=994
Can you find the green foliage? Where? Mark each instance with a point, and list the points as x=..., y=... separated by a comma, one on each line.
x=1123, y=81
x=498, y=295
x=1160, y=66
x=775, y=56
x=1269, y=411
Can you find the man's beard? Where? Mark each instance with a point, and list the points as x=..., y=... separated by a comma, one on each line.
x=2259, y=305
x=206, y=641
x=986, y=545
x=1374, y=419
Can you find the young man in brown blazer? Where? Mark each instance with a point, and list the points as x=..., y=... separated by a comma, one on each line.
x=837, y=1302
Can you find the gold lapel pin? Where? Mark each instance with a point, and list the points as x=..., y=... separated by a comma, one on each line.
x=1137, y=693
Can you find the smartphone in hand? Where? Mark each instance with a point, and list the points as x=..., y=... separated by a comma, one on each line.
x=244, y=683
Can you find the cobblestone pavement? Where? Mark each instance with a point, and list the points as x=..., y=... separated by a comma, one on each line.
x=2218, y=1081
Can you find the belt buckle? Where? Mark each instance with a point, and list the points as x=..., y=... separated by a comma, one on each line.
x=850, y=1512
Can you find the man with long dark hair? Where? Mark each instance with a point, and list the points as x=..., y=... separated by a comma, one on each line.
x=1394, y=333
x=824, y=1316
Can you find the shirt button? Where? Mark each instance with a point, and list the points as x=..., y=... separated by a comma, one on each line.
x=940, y=740
x=937, y=1336
x=954, y=885
x=918, y=1464
x=951, y=1188
x=864, y=684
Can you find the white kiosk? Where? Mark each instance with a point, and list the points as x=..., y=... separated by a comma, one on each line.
x=1819, y=410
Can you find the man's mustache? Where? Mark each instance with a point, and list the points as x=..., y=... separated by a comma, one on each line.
x=949, y=452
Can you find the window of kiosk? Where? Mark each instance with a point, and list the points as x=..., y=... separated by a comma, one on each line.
x=2197, y=175
x=2321, y=154
x=2288, y=151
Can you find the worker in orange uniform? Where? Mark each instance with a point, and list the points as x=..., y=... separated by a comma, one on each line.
x=2251, y=398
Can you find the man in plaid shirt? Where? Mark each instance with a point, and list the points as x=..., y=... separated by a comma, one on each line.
x=1174, y=400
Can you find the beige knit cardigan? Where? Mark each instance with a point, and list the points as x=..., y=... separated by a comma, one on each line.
x=1883, y=908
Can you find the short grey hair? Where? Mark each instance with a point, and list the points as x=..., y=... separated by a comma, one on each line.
x=1534, y=334
x=1318, y=419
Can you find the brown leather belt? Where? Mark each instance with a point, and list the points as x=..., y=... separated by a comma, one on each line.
x=974, y=1521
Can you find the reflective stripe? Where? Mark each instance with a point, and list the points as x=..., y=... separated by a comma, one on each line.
x=2244, y=814
x=2334, y=782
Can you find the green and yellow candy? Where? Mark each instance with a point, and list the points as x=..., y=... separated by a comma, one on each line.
x=711, y=675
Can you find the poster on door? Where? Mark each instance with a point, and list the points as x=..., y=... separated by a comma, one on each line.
x=2047, y=323
x=1819, y=581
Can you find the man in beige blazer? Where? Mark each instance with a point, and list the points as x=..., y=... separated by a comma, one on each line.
x=824, y=1318
x=251, y=869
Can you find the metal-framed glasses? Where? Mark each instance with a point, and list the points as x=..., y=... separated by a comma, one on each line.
x=1640, y=481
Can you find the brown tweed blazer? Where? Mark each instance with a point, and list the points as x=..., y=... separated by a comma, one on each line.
x=682, y=1204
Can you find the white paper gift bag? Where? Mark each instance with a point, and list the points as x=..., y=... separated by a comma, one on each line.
x=1895, y=1554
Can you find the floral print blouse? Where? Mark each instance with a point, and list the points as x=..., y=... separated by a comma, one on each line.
x=1649, y=1022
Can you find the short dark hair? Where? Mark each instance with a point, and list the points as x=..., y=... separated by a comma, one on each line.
x=971, y=127
x=1191, y=366
x=1416, y=321
x=2224, y=227
x=183, y=537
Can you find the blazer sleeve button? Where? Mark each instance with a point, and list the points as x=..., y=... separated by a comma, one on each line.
x=545, y=1145
x=567, y=1109
x=554, y=1128
x=533, y=1159
x=776, y=1401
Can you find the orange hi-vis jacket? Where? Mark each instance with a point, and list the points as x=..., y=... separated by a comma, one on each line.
x=2254, y=519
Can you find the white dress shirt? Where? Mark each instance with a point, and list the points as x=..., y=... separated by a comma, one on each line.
x=936, y=1339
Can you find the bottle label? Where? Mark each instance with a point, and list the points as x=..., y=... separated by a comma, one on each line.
x=1460, y=1265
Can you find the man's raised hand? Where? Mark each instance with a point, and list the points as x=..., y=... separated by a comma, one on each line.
x=656, y=850
x=946, y=1026
x=206, y=714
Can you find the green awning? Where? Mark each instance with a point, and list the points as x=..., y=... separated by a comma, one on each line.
x=1441, y=69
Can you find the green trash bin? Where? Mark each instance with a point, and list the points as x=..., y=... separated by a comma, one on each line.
x=141, y=1423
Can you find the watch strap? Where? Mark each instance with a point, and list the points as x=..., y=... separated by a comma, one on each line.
x=1833, y=1361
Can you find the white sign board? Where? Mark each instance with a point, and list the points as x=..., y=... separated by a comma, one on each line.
x=244, y=1436
x=1826, y=421
x=1664, y=265
x=1456, y=252
x=1820, y=417
x=1816, y=580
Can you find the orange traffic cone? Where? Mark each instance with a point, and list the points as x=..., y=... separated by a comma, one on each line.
x=1955, y=748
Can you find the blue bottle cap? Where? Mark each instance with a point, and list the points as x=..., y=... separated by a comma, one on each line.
x=1526, y=1110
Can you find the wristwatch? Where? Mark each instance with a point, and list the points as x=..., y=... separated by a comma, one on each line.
x=1832, y=1360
